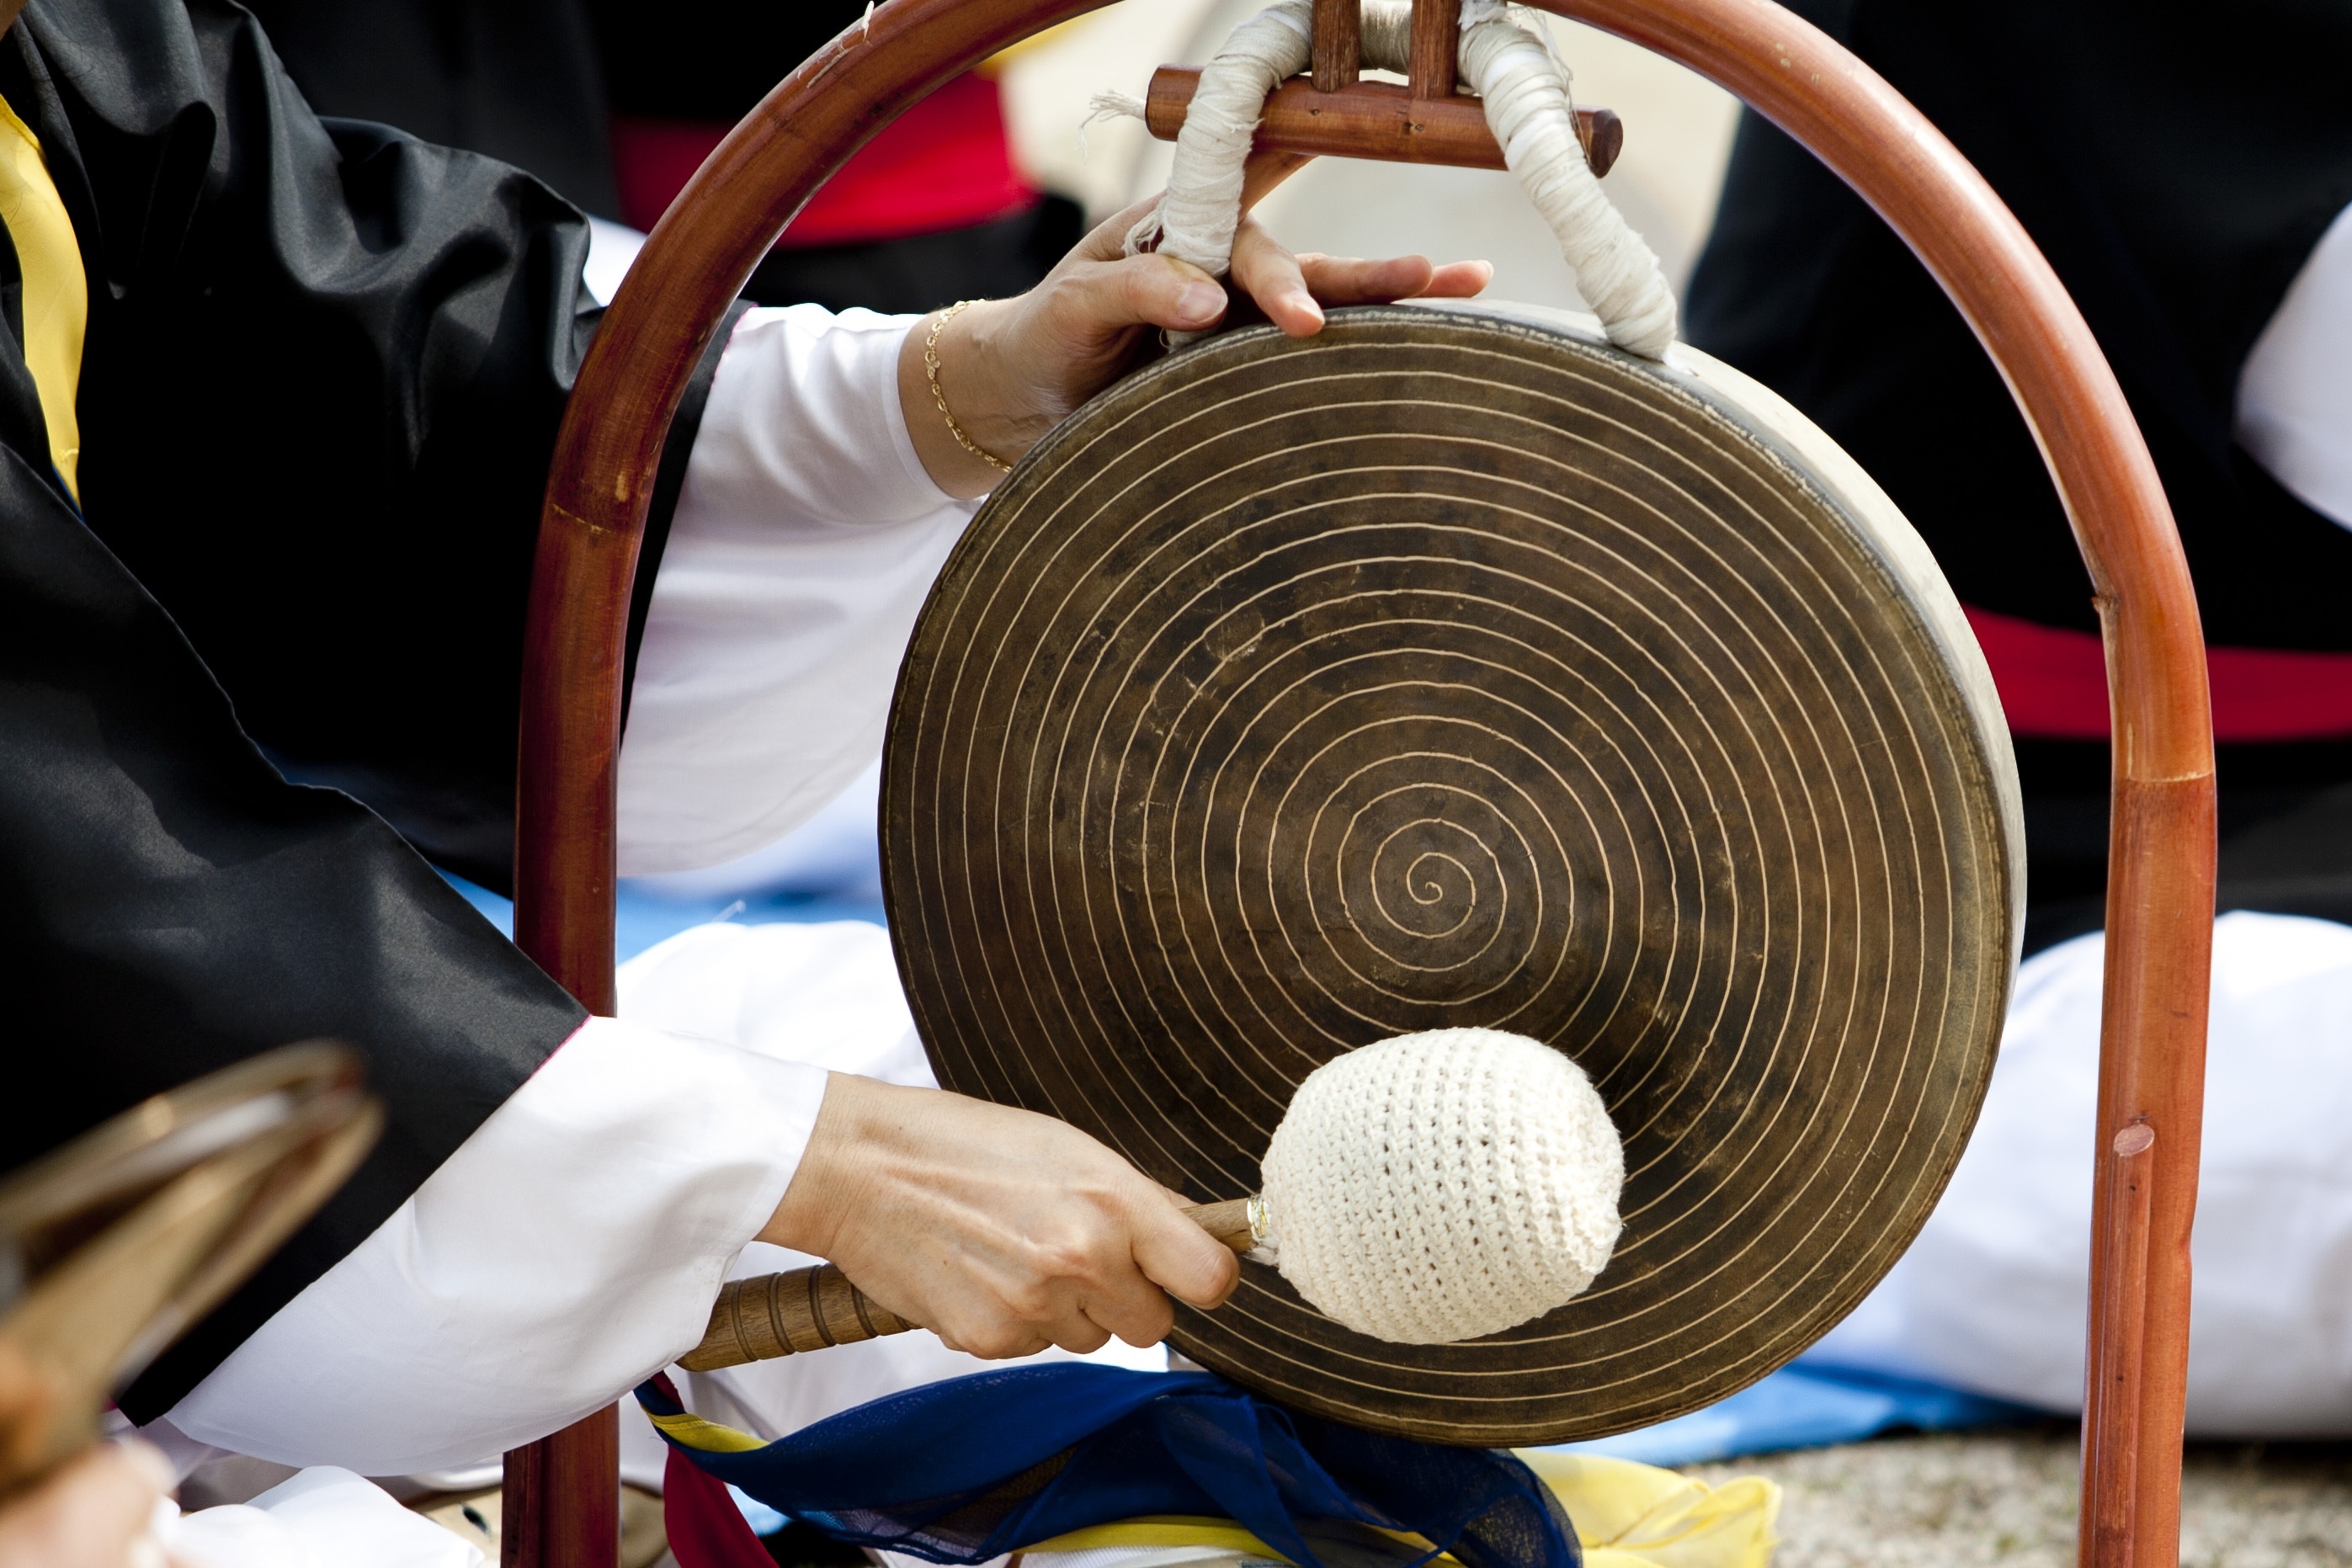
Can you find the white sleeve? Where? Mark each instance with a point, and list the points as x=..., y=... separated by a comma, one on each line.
x=569, y=1249
x=2295, y=395
x=805, y=538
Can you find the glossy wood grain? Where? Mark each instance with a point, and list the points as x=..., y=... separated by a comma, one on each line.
x=2160, y=886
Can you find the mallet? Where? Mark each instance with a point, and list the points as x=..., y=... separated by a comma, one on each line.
x=1430, y=1188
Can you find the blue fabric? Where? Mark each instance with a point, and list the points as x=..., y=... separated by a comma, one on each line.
x=1806, y=1407
x=640, y=919
x=966, y=1469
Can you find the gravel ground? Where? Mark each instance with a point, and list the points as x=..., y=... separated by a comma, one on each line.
x=2009, y=1499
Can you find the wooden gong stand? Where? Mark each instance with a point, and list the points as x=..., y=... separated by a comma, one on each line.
x=561, y=1500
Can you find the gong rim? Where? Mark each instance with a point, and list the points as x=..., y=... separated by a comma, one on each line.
x=1718, y=1314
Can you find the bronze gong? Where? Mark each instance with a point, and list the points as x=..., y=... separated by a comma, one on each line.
x=1454, y=667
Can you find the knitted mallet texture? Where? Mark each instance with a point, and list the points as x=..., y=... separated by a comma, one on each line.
x=1443, y=1186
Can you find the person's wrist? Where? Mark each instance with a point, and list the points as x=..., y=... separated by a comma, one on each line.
x=974, y=390
x=823, y=1189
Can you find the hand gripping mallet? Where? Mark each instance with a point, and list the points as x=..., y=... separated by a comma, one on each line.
x=1432, y=1188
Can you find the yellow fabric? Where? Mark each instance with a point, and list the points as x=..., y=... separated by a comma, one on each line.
x=1627, y=1515
x=1189, y=1530
x=1638, y=1516
x=1011, y=52
x=708, y=1436
x=1172, y=1530
x=57, y=292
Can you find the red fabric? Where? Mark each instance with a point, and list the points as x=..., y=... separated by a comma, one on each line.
x=943, y=164
x=2054, y=684
x=705, y=1528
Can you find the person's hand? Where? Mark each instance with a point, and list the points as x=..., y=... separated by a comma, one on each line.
x=1000, y=1230
x=1012, y=369
x=92, y=1513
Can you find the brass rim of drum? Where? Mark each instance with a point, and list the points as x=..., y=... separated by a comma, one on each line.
x=1453, y=667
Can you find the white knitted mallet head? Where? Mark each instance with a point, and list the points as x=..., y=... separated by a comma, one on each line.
x=1443, y=1186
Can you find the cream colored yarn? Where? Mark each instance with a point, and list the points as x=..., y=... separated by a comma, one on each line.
x=1443, y=1186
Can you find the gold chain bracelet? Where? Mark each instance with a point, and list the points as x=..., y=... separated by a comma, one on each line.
x=931, y=374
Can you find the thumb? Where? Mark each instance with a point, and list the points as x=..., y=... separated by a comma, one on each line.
x=1141, y=291
x=1181, y=1259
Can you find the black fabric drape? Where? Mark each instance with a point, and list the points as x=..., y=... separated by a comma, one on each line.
x=324, y=370
x=518, y=80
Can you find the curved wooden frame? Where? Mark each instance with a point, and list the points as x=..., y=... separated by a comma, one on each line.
x=559, y=1501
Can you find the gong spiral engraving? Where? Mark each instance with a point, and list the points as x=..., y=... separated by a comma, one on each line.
x=1451, y=668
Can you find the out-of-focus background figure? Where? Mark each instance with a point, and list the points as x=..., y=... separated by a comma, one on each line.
x=616, y=108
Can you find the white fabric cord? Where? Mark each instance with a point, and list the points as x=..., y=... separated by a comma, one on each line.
x=1506, y=63
x=1528, y=110
x=1442, y=1186
x=1195, y=220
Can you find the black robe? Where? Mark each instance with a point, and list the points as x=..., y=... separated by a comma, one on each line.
x=2175, y=166
x=323, y=372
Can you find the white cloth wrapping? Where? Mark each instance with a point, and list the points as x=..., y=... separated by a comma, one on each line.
x=1993, y=1296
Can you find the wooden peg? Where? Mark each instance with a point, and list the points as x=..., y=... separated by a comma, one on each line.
x=1373, y=120
x=1338, y=44
x=1436, y=42
x=1265, y=170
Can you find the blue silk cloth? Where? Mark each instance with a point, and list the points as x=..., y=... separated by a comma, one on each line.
x=964, y=1471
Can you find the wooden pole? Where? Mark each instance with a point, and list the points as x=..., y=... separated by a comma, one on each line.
x=2160, y=882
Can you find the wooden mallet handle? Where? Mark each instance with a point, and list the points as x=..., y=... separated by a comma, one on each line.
x=809, y=1309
